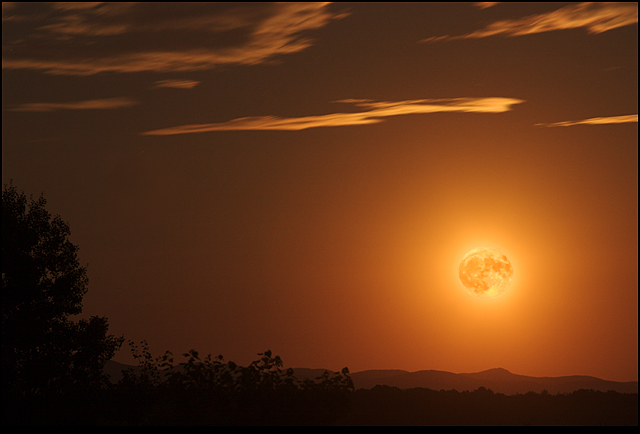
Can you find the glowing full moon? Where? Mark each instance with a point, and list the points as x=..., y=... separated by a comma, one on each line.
x=485, y=273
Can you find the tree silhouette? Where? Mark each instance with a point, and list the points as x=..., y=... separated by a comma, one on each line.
x=43, y=351
x=210, y=391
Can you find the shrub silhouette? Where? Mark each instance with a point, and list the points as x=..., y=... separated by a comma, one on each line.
x=210, y=391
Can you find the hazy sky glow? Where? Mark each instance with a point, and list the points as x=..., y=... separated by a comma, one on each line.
x=306, y=178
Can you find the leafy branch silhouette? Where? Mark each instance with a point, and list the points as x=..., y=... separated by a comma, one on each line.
x=210, y=390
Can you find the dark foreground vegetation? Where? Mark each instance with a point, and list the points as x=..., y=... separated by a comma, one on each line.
x=210, y=391
x=384, y=405
x=205, y=391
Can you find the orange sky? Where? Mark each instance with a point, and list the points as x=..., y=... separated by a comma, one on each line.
x=306, y=178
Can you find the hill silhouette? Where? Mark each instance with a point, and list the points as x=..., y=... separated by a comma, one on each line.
x=389, y=398
x=498, y=380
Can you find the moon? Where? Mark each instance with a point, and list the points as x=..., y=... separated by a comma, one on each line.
x=485, y=273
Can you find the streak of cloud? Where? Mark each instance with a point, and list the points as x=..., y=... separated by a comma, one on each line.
x=140, y=37
x=377, y=111
x=176, y=84
x=485, y=5
x=93, y=104
x=594, y=121
x=595, y=17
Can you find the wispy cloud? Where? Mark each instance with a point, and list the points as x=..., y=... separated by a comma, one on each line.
x=595, y=17
x=594, y=121
x=177, y=84
x=376, y=112
x=160, y=37
x=485, y=5
x=93, y=104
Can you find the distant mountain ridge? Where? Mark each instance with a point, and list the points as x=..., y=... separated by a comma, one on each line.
x=498, y=380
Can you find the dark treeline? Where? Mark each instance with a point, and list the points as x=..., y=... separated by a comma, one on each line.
x=210, y=391
x=384, y=405
x=201, y=391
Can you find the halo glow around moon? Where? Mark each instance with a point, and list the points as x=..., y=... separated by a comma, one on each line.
x=485, y=273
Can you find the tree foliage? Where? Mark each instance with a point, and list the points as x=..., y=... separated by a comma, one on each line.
x=209, y=391
x=43, y=350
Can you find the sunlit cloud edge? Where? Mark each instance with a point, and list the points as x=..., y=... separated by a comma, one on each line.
x=595, y=17
x=376, y=113
x=92, y=104
x=273, y=36
x=176, y=84
x=605, y=120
